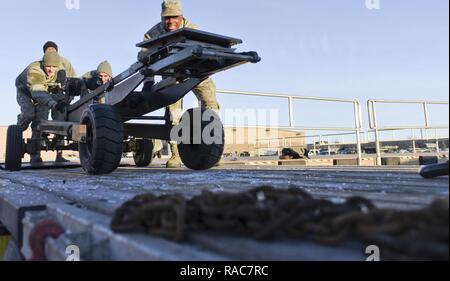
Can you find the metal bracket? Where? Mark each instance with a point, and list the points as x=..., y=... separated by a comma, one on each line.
x=78, y=133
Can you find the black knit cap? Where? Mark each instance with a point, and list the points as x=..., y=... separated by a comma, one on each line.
x=50, y=44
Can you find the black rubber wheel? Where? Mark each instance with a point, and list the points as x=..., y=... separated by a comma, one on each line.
x=201, y=155
x=14, y=148
x=102, y=151
x=143, y=155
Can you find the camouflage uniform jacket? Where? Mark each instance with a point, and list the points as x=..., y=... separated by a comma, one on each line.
x=34, y=82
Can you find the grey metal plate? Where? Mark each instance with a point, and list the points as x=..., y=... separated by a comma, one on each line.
x=16, y=200
x=192, y=34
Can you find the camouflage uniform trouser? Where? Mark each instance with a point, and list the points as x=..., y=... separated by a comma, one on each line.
x=206, y=95
x=30, y=113
x=157, y=146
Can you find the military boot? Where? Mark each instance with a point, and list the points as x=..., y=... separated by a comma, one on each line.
x=174, y=161
x=60, y=158
x=36, y=159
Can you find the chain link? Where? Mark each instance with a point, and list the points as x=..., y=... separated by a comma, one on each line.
x=266, y=213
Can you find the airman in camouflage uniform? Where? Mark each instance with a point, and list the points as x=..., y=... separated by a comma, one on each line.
x=102, y=75
x=95, y=78
x=34, y=87
x=172, y=20
x=65, y=64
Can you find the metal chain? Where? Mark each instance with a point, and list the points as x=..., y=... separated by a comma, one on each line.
x=267, y=213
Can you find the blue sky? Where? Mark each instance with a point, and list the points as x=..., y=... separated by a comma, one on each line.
x=325, y=48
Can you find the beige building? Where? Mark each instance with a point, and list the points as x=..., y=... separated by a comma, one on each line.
x=260, y=141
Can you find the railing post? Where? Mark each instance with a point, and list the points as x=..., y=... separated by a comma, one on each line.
x=413, y=141
x=328, y=145
x=257, y=147
x=314, y=146
x=291, y=113
x=356, y=108
x=425, y=110
x=377, y=134
x=437, y=140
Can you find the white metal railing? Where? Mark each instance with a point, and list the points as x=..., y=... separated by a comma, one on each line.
x=356, y=129
x=373, y=119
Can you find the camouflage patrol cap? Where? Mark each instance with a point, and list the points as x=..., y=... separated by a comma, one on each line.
x=172, y=8
x=105, y=67
x=51, y=59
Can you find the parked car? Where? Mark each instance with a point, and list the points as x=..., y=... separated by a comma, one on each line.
x=325, y=152
x=347, y=151
x=244, y=154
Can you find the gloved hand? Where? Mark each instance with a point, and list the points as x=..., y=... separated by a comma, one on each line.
x=76, y=87
x=61, y=79
x=60, y=106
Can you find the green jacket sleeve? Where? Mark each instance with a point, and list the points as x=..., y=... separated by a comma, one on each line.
x=36, y=81
x=39, y=85
x=87, y=76
x=43, y=98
